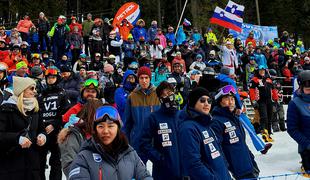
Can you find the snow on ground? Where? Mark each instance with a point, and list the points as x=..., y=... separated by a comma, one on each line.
x=282, y=158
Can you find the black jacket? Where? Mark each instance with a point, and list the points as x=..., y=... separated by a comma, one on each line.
x=72, y=87
x=15, y=162
x=53, y=103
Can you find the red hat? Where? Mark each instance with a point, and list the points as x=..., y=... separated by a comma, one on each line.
x=144, y=70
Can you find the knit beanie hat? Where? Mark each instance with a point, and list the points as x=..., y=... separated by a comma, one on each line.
x=144, y=70
x=21, y=83
x=20, y=65
x=36, y=71
x=195, y=95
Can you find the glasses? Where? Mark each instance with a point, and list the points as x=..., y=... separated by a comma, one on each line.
x=32, y=88
x=91, y=82
x=106, y=113
x=204, y=100
x=52, y=72
x=229, y=89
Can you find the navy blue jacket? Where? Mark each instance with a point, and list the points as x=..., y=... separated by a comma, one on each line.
x=201, y=153
x=159, y=143
x=298, y=118
x=72, y=87
x=231, y=135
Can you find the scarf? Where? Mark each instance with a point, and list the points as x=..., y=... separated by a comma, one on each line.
x=29, y=104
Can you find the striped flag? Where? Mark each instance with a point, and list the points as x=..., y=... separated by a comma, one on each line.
x=234, y=8
x=226, y=19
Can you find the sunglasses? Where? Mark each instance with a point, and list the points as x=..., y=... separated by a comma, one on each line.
x=32, y=88
x=52, y=72
x=90, y=82
x=106, y=113
x=203, y=100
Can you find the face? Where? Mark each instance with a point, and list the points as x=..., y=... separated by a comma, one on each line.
x=36, y=61
x=202, y=105
x=228, y=101
x=144, y=81
x=107, y=132
x=2, y=44
x=65, y=75
x=177, y=68
x=51, y=79
x=306, y=90
x=166, y=93
x=307, y=61
x=131, y=79
x=82, y=72
x=30, y=92
x=89, y=93
x=89, y=17
x=262, y=72
x=22, y=71
x=1, y=74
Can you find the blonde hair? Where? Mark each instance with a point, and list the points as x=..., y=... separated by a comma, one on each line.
x=20, y=104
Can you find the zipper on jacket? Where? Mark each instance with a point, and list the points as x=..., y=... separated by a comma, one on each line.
x=100, y=172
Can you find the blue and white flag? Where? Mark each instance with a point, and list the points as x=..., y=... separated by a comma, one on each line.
x=234, y=8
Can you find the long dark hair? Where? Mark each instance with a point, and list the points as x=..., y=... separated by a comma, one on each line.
x=87, y=114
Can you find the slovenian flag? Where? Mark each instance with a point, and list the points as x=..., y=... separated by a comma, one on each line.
x=226, y=19
x=234, y=8
x=186, y=22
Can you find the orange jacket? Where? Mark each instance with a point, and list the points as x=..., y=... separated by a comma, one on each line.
x=124, y=30
x=11, y=62
x=24, y=26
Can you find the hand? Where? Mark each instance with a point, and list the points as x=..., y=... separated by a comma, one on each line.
x=238, y=112
x=41, y=139
x=26, y=143
x=49, y=129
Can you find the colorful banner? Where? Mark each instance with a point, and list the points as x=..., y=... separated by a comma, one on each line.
x=129, y=11
x=261, y=33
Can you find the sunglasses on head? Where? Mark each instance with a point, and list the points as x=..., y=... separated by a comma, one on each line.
x=204, y=100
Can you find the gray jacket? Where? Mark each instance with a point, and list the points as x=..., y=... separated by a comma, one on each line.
x=92, y=162
x=70, y=141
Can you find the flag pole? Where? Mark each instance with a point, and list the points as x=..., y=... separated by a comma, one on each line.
x=180, y=18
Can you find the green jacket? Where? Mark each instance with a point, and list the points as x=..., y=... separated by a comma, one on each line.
x=87, y=26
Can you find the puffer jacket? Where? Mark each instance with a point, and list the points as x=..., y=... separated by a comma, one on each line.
x=94, y=163
x=70, y=141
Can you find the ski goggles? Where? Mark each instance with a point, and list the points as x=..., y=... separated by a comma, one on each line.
x=91, y=82
x=105, y=113
x=226, y=90
x=51, y=72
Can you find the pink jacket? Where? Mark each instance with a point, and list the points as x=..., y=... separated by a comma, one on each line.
x=162, y=39
x=24, y=26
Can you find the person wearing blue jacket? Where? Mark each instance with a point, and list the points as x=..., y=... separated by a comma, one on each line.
x=201, y=155
x=159, y=139
x=139, y=31
x=129, y=84
x=170, y=35
x=298, y=117
x=229, y=130
x=141, y=102
x=260, y=58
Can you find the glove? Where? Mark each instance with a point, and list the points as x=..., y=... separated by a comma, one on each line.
x=72, y=120
x=255, y=104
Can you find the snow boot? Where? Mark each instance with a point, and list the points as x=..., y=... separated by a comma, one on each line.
x=267, y=147
x=266, y=136
x=275, y=127
x=304, y=174
x=282, y=126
